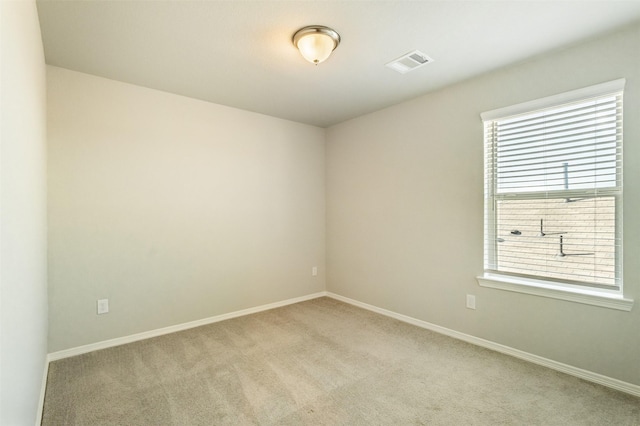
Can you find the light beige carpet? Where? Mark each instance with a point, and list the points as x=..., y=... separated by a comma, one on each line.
x=320, y=362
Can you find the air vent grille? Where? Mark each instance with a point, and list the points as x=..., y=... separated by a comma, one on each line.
x=409, y=62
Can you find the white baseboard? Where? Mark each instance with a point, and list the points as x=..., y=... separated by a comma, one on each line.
x=179, y=327
x=554, y=365
x=43, y=389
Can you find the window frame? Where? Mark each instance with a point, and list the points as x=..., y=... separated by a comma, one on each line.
x=607, y=296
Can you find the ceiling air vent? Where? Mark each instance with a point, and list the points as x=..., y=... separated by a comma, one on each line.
x=409, y=62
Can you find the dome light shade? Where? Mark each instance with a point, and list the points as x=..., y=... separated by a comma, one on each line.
x=316, y=42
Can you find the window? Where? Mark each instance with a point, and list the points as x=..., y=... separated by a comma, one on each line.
x=553, y=190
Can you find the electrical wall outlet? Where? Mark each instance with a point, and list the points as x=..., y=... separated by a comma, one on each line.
x=103, y=306
x=471, y=301
x=314, y=271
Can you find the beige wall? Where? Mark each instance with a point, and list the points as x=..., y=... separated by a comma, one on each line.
x=23, y=267
x=405, y=212
x=174, y=209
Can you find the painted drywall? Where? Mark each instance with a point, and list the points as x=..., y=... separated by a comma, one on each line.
x=405, y=212
x=23, y=258
x=174, y=209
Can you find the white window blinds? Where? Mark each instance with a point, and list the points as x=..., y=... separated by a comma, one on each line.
x=553, y=190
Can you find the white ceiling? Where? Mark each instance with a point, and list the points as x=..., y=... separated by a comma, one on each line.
x=239, y=53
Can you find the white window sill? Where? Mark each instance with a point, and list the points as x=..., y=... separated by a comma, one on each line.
x=587, y=296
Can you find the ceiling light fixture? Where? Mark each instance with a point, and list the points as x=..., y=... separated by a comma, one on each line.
x=316, y=42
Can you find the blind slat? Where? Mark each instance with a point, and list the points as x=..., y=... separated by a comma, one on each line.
x=562, y=115
x=601, y=123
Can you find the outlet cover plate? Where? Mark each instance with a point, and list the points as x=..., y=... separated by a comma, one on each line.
x=471, y=301
x=103, y=306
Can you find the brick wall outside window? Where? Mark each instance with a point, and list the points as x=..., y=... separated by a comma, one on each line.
x=588, y=244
